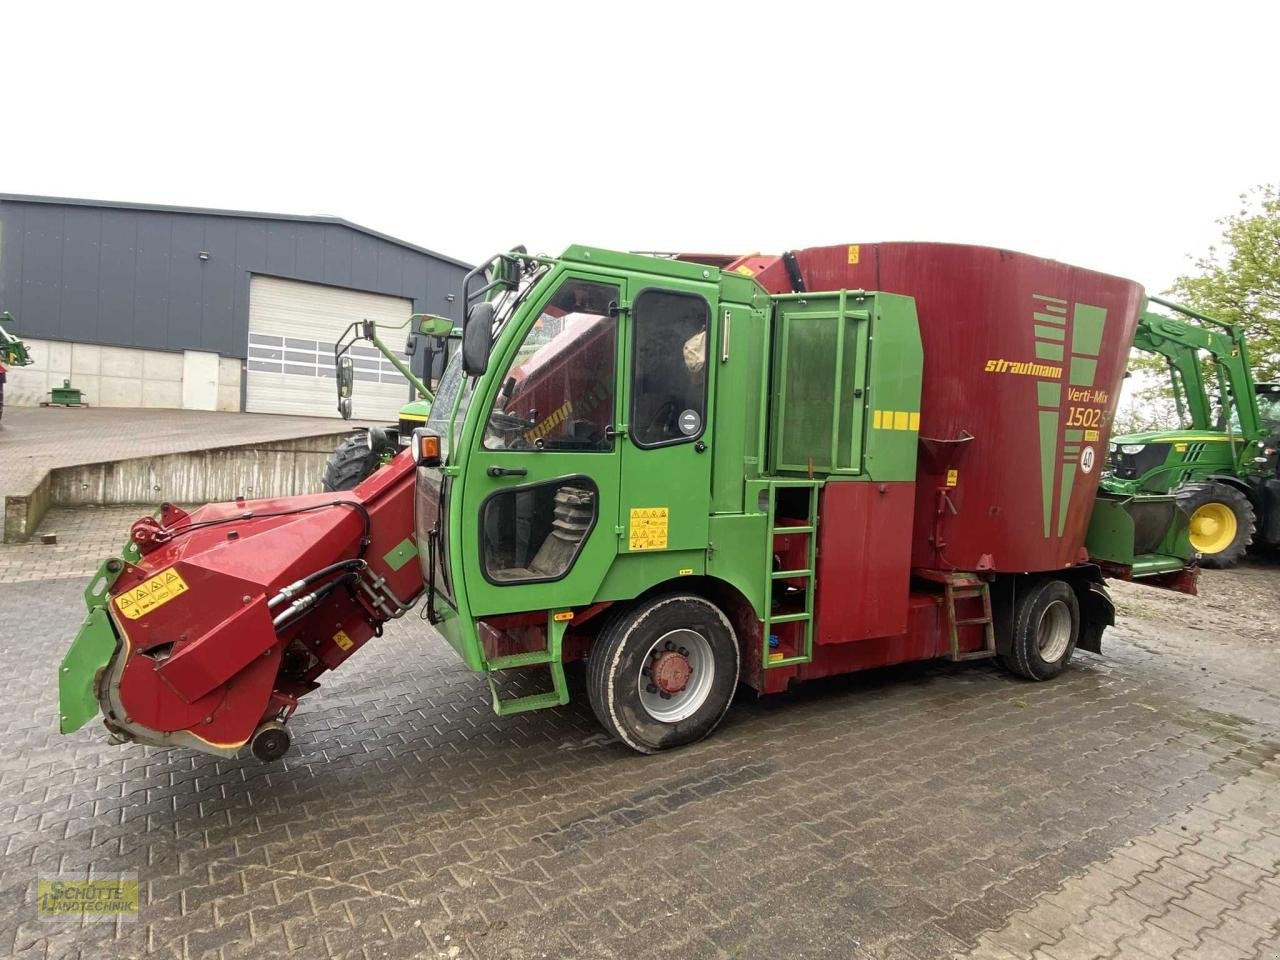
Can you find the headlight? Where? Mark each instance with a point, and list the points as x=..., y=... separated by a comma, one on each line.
x=1131, y=448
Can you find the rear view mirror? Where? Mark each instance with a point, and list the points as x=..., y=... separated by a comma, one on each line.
x=346, y=383
x=477, y=338
x=434, y=326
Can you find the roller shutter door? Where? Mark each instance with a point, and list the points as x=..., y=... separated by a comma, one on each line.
x=292, y=330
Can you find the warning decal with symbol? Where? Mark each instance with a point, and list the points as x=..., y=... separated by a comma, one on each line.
x=648, y=528
x=151, y=594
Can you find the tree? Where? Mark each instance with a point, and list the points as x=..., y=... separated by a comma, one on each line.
x=1239, y=281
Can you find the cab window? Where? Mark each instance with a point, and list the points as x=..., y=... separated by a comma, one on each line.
x=558, y=392
x=669, y=373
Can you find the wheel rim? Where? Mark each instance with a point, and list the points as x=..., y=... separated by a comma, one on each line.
x=676, y=675
x=1213, y=528
x=1053, y=635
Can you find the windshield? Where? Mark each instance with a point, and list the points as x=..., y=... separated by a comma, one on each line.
x=1269, y=408
x=451, y=383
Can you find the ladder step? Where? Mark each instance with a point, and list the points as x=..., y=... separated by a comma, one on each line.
x=536, y=701
x=789, y=574
x=530, y=659
x=789, y=618
x=974, y=655
x=805, y=529
x=965, y=623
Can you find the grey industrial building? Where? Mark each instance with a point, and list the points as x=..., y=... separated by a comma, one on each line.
x=160, y=306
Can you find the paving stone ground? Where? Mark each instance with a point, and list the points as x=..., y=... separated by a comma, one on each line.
x=1129, y=809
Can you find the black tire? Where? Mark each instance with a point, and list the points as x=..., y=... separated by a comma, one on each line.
x=1195, y=496
x=349, y=464
x=622, y=652
x=1042, y=611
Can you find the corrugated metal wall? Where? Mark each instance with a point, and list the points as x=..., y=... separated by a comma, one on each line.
x=134, y=278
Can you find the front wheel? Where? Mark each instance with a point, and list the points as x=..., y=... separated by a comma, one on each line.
x=1046, y=627
x=664, y=673
x=1222, y=522
x=350, y=463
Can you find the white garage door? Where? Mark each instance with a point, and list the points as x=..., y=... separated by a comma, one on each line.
x=292, y=330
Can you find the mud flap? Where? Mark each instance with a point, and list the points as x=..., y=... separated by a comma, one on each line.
x=90, y=653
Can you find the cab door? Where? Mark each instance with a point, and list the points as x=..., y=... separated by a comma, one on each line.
x=665, y=490
x=540, y=494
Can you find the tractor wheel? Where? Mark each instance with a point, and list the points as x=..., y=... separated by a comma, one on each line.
x=349, y=464
x=1222, y=522
x=664, y=672
x=1046, y=626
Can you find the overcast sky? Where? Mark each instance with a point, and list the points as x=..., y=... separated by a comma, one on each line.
x=1109, y=135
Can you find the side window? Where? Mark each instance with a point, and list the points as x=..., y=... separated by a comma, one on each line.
x=558, y=392
x=535, y=533
x=669, y=367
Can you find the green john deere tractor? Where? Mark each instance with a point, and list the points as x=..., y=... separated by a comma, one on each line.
x=360, y=454
x=1224, y=466
x=13, y=353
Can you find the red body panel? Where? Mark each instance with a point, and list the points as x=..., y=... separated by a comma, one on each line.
x=864, y=559
x=980, y=308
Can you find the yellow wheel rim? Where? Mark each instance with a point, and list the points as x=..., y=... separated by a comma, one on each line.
x=1213, y=528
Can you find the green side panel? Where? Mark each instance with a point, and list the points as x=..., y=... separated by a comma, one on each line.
x=893, y=379
x=631, y=574
x=1048, y=460
x=90, y=652
x=1086, y=330
x=1057, y=318
x=1048, y=351
x=737, y=544
x=735, y=454
x=400, y=554
x=1049, y=394
x=1064, y=500
x=1082, y=371
x=1073, y=436
x=1050, y=333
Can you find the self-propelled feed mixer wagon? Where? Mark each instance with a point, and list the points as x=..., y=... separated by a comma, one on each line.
x=695, y=473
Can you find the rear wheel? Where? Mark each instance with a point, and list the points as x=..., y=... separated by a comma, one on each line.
x=349, y=464
x=1222, y=522
x=1046, y=626
x=664, y=673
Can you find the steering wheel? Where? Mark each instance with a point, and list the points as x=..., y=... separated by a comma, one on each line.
x=510, y=427
x=664, y=419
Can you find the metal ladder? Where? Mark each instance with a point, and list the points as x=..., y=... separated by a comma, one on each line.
x=810, y=531
x=962, y=586
x=551, y=657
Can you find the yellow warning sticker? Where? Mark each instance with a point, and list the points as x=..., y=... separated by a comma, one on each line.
x=853, y=253
x=343, y=641
x=648, y=528
x=150, y=595
x=686, y=571
x=953, y=477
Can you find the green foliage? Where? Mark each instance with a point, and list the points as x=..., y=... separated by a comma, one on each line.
x=1239, y=280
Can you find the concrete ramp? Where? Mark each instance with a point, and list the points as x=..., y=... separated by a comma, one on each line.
x=73, y=457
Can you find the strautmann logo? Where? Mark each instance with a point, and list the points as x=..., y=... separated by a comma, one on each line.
x=1027, y=368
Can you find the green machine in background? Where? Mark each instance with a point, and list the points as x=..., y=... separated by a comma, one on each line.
x=360, y=454
x=1224, y=468
x=13, y=352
